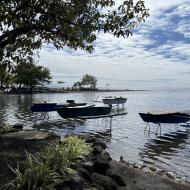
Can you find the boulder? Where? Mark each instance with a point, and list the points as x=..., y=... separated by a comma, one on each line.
x=104, y=156
x=84, y=174
x=113, y=173
x=95, y=141
x=97, y=149
x=88, y=166
x=90, y=139
x=100, y=166
x=104, y=181
x=73, y=183
x=100, y=143
x=62, y=187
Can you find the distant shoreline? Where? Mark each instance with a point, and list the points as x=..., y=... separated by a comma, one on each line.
x=103, y=90
x=43, y=90
x=71, y=90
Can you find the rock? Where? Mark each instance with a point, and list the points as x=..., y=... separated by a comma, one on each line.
x=100, y=166
x=62, y=187
x=30, y=135
x=161, y=172
x=18, y=126
x=170, y=175
x=152, y=169
x=142, y=166
x=100, y=143
x=90, y=139
x=88, y=166
x=97, y=149
x=178, y=180
x=94, y=187
x=74, y=183
x=95, y=141
x=104, y=181
x=84, y=174
x=135, y=165
x=66, y=188
x=113, y=173
x=104, y=156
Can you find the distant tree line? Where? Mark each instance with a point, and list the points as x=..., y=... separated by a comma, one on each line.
x=24, y=75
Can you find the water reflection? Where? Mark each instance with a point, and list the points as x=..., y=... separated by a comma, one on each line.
x=63, y=127
x=16, y=108
x=170, y=151
x=164, y=147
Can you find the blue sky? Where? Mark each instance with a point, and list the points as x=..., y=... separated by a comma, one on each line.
x=156, y=56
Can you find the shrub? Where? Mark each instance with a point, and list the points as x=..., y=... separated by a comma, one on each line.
x=51, y=166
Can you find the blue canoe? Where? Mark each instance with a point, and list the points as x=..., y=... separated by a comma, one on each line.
x=49, y=107
x=173, y=117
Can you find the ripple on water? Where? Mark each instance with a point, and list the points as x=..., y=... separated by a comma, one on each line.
x=170, y=151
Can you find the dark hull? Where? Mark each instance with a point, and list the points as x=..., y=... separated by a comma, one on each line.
x=43, y=107
x=165, y=118
x=111, y=101
x=49, y=107
x=74, y=112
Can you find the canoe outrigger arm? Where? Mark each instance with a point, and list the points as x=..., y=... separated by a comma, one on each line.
x=148, y=125
x=159, y=127
x=104, y=116
x=44, y=116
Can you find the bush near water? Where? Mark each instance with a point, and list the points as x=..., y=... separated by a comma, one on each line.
x=51, y=167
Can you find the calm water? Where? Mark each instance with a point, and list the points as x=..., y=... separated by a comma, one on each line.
x=170, y=151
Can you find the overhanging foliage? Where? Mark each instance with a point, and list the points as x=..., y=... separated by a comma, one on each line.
x=26, y=24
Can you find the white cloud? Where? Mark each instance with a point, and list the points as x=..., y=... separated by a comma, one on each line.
x=157, y=7
x=126, y=62
x=184, y=28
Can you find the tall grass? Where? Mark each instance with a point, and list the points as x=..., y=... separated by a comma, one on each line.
x=51, y=167
x=5, y=128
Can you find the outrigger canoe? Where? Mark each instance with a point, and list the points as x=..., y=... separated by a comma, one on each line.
x=173, y=117
x=81, y=111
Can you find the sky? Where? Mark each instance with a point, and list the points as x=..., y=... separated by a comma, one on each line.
x=156, y=56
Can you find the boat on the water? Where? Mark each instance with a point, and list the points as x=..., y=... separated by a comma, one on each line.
x=49, y=107
x=172, y=117
x=110, y=100
x=43, y=107
x=80, y=111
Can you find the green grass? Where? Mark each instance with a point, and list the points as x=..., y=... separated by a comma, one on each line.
x=52, y=166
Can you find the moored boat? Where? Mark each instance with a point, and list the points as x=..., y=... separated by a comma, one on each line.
x=79, y=111
x=49, y=107
x=110, y=100
x=43, y=107
x=173, y=117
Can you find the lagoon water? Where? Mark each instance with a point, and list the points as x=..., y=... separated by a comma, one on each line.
x=170, y=151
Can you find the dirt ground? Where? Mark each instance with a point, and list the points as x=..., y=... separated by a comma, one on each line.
x=13, y=147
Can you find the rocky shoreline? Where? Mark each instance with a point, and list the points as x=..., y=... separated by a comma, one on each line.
x=110, y=174
x=99, y=171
